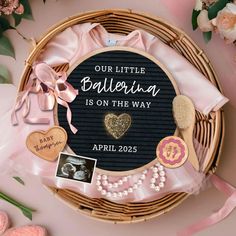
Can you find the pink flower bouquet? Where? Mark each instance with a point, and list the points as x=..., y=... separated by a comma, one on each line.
x=215, y=15
x=8, y=7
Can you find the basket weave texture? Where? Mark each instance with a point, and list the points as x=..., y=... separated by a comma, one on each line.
x=209, y=130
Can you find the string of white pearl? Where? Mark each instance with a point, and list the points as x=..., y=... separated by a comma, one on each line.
x=158, y=173
x=102, y=180
x=157, y=182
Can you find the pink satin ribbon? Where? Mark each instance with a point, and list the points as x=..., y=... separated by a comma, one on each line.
x=49, y=86
x=228, y=207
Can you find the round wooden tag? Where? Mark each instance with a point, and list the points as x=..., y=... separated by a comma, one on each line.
x=172, y=152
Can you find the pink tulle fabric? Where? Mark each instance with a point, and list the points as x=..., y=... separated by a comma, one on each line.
x=69, y=46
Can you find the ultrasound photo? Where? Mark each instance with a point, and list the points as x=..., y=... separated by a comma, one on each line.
x=77, y=168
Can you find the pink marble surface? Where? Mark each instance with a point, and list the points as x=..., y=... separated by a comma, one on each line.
x=57, y=217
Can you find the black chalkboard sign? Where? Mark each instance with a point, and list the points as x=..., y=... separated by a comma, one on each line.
x=123, y=110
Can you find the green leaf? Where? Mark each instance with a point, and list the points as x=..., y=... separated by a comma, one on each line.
x=207, y=36
x=27, y=214
x=6, y=47
x=17, y=18
x=213, y=10
x=19, y=180
x=27, y=14
x=25, y=210
x=4, y=75
x=194, y=19
x=4, y=24
x=27, y=10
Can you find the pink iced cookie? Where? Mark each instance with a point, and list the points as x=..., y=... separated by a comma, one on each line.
x=4, y=222
x=30, y=230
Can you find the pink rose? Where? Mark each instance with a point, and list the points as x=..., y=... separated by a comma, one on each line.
x=7, y=7
x=225, y=22
x=20, y=10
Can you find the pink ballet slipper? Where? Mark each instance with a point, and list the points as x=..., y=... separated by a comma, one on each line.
x=29, y=230
x=46, y=99
x=4, y=222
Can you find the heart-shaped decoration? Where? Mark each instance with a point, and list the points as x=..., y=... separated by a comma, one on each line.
x=117, y=125
x=47, y=144
x=30, y=230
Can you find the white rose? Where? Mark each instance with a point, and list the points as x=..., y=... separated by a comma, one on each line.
x=209, y=2
x=198, y=5
x=203, y=21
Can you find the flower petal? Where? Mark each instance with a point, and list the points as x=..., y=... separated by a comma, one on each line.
x=198, y=5
x=203, y=21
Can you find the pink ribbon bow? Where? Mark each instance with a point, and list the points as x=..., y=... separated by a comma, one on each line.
x=49, y=86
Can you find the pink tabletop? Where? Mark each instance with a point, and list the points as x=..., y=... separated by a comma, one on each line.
x=59, y=219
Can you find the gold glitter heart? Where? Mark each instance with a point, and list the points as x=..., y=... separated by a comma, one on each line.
x=117, y=125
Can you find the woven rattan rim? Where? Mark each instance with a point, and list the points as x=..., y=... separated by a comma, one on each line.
x=209, y=130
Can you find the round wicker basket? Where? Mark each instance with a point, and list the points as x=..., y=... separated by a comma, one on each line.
x=209, y=130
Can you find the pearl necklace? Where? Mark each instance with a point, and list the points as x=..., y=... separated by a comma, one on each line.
x=105, y=187
x=158, y=172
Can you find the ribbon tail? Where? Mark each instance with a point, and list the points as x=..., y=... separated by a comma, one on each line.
x=14, y=120
x=32, y=120
x=19, y=103
x=222, y=185
x=21, y=99
x=227, y=208
x=68, y=114
x=27, y=107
